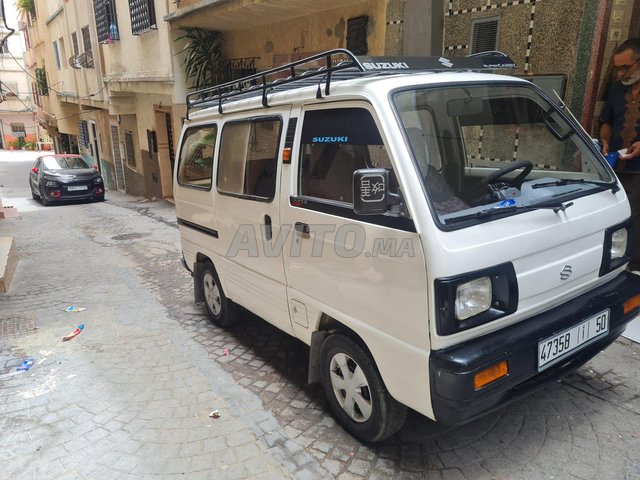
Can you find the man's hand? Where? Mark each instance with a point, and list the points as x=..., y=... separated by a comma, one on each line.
x=632, y=152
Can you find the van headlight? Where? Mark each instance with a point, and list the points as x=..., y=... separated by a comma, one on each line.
x=618, y=241
x=471, y=299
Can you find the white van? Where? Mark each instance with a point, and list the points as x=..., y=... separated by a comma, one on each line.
x=443, y=239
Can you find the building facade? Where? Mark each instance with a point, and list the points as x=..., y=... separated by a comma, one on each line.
x=110, y=76
x=18, y=127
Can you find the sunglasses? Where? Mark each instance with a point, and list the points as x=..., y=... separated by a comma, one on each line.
x=625, y=68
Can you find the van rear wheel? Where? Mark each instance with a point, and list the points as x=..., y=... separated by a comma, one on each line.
x=356, y=393
x=222, y=311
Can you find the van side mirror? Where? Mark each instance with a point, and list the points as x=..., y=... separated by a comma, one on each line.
x=371, y=191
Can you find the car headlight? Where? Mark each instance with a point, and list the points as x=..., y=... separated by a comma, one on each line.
x=97, y=180
x=50, y=183
x=618, y=241
x=471, y=299
x=49, y=177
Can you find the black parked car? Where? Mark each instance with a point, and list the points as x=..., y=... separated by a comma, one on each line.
x=65, y=177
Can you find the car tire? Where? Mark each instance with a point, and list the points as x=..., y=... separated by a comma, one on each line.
x=356, y=392
x=222, y=311
x=43, y=199
x=34, y=195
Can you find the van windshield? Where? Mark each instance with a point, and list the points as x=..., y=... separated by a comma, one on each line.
x=487, y=151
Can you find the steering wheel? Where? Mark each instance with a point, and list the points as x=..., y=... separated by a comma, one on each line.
x=526, y=165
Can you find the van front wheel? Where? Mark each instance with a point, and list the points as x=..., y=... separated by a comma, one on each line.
x=356, y=393
x=222, y=311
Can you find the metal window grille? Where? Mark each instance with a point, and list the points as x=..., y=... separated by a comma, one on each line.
x=106, y=21
x=484, y=36
x=236, y=68
x=129, y=149
x=36, y=95
x=83, y=137
x=18, y=128
x=357, y=35
x=143, y=16
x=41, y=77
x=86, y=40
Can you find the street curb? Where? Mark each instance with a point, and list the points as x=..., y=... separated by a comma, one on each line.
x=8, y=262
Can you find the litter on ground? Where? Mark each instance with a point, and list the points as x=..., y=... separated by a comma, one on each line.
x=75, y=332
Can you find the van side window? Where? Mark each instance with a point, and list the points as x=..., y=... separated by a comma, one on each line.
x=195, y=165
x=249, y=158
x=335, y=143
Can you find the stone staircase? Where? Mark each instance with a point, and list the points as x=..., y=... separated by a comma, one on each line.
x=8, y=250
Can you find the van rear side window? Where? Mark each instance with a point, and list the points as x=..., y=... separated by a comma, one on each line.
x=195, y=166
x=249, y=158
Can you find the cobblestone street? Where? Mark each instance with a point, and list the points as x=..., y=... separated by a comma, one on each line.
x=130, y=397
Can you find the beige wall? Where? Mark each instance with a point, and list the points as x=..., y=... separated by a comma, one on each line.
x=308, y=34
x=139, y=56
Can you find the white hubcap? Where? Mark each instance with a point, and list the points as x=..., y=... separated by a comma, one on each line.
x=350, y=387
x=212, y=294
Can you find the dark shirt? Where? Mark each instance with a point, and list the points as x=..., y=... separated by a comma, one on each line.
x=618, y=110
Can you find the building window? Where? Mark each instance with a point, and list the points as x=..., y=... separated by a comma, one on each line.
x=143, y=16
x=41, y=80
x=106, y=21
x=63, y=52
x=18, y=130
x=56, y=54
x=484, y=34
x=129, y=149
x=357, y=35
x=8, y=89
x=36, y=95
x=86, y=59
x=74, y=42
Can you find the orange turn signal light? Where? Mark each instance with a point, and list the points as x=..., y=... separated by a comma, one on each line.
x=491, y=374
x=631, y=304
x=286, y=155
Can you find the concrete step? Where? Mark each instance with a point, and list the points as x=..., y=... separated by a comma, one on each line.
x=8, y=212
x=8, y=261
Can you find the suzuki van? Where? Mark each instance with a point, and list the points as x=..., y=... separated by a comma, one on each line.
x=444, y=238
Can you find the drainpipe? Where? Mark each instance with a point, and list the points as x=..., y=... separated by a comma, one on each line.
x=595, y=65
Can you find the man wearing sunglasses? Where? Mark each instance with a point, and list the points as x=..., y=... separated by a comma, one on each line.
x=620, y=129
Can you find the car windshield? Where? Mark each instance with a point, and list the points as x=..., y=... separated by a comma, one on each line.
x=480, y=149
x=61, y=163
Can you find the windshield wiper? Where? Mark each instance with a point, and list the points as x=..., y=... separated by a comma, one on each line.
x=490, y=212
x=570, y=181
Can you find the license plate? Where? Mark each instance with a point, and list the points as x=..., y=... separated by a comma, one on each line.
x=553, y=349
x=78, y=187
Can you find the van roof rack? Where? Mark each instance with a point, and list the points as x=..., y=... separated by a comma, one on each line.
x=340, y=64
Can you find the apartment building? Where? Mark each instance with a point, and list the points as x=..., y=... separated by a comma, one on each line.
x=112, y=75
x=17, y=120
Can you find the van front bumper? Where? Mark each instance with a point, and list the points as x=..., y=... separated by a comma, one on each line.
x=455, y=400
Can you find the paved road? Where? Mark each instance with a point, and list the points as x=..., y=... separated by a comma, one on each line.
x=129, y=397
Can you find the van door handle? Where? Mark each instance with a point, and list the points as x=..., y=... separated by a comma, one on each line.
x=267, y=228
x=303, y=228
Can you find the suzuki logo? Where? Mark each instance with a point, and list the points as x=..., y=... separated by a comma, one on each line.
x=566, y=272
